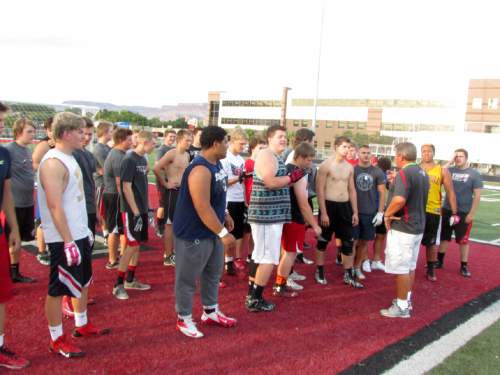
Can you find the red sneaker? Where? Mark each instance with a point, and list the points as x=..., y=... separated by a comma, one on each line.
x=218, y=318
x=11, y=361
x=240, y=264
x=67, y=307
x=89, y=330
x=65, y=348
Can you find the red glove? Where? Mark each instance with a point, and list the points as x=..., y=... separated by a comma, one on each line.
x=296, y=175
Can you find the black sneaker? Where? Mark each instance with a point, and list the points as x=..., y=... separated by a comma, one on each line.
x=230, y=270
x=438, y=264
x=169, y=260
x=259, y=305
x=431, y=275
x=348, y=280
x=464, y=271
x=112, y=266
x=23, y=279
x=43, y=258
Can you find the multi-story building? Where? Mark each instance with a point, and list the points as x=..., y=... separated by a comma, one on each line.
x=483, y=111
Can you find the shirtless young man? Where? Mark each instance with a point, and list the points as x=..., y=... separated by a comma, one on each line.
x=338, y=210
x=168, y=171
x=438, y=177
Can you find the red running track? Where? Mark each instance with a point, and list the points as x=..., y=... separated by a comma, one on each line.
x=324, y=330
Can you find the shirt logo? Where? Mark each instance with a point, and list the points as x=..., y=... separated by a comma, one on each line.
x=364, y=182
x=460, y=177
x=221, y=179
x=236, y=170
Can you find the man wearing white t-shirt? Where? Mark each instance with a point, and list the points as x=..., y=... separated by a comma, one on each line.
x=233, y=165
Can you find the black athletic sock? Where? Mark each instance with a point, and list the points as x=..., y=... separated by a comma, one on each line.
x=321, y=272
x=257, y=291
x=160, y=221
x=131, y=273
x=120, y=278
x=250, y=287
x=463, y=264
x=14, y=270
x=430, y=265
x=441, y=257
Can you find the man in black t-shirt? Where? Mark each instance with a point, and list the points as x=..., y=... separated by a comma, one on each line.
x=195, y=148
x=405, y=222
x=134, y=208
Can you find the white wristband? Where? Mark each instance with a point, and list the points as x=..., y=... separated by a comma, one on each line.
x=223, y=232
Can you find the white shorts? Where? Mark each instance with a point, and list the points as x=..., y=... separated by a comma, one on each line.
x=401, y=252
x=267, y=243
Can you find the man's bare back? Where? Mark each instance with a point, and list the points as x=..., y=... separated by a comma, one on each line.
x=338, y=174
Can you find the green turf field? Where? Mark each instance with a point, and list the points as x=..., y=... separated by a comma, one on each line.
x=479, y=356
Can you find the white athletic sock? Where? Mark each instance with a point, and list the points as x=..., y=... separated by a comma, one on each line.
x=402, y=303
x=229, y=259
x=1, y=340
x=409, y=296
x=56, y=332
x=80, y=318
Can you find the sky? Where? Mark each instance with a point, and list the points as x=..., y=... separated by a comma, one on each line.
x=155, y=53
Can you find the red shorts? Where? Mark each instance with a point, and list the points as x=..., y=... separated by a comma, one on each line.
x=292, y=238
x=6, y=287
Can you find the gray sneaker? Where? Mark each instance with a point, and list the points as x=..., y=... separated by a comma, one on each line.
x=169, y=260
x=394, y=311
x=137, y=285
x=43, y=258
x=120, y=292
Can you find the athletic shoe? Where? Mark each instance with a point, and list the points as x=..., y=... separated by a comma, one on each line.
x=302, y=259
x=431, y=274
x=348, y=280
x=295, y=276
x=464, y=271
x=359, y=274
x=290, y=283
x=188, y=327
x=240, y=264
x=23, y=279
x=259, y=305
x=89, y=330
x=105, y=241
x=43, y=258
x=136, y=285
x=169, y=260
x=120, y=292
x=377, y=265
x=222, y=284
x=394, y=311
x=410, y=304
x=67, y=307
x=218, y=318
x=11, y=361
x=230, y=271
x=65, y=348
x=366, y=266
x=320, y=280
x=284, y=291
x=112, y=266
x=438, y=264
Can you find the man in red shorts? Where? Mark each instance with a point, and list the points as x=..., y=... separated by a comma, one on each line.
x=7, y=358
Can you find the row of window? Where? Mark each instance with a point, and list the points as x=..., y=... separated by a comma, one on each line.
x=251, y=103
x=213, y=115
x=331, y=124
x=249, y=121
x=370, y=103
x=477, y=103
x=416, y=127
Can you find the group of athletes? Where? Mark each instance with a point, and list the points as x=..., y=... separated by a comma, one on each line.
x=213, y=205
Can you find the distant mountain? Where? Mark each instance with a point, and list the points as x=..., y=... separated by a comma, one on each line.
x=166, y=112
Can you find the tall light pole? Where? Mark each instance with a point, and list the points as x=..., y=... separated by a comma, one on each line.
x=319, y=64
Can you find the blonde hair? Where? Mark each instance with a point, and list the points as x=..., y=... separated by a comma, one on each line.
x=65, y=122
x=238, y=134
x=103, y=127
x=145, y=135
x=19, y=126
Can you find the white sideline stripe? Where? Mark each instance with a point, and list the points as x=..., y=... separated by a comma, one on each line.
x=436, y=352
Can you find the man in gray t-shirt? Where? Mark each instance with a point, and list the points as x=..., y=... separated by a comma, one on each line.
x=101, y=152
x=405, y=222
x=23, y=185
x=467, y=184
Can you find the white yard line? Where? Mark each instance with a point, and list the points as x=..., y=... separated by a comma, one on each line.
x=436, y=352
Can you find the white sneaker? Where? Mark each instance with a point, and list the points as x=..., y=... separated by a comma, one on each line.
x=359, y=274
x=366, y=266
x=293, y=285
x=378, y=265
x=296, y=276
x=188, y=327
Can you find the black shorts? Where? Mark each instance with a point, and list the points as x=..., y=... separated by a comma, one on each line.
x=92, y=220
x=237, y=210
x=69, y=281
x=168, y=202
x=25, y=221
x=340, y=215
x=365, y=229
x=134, y=238
x=462, y=229
x=112, y=215
x=432, y=229
x=381, y=229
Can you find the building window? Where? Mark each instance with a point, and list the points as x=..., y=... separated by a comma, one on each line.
x=477, y=103
x=296, y=123
x=329, y=124
x=315, y=144
x=213, y=118
x=342, y=124
x=305, y=123
x=493, y=103
x=361, y=125
x=328, y=144
x=351, y=124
